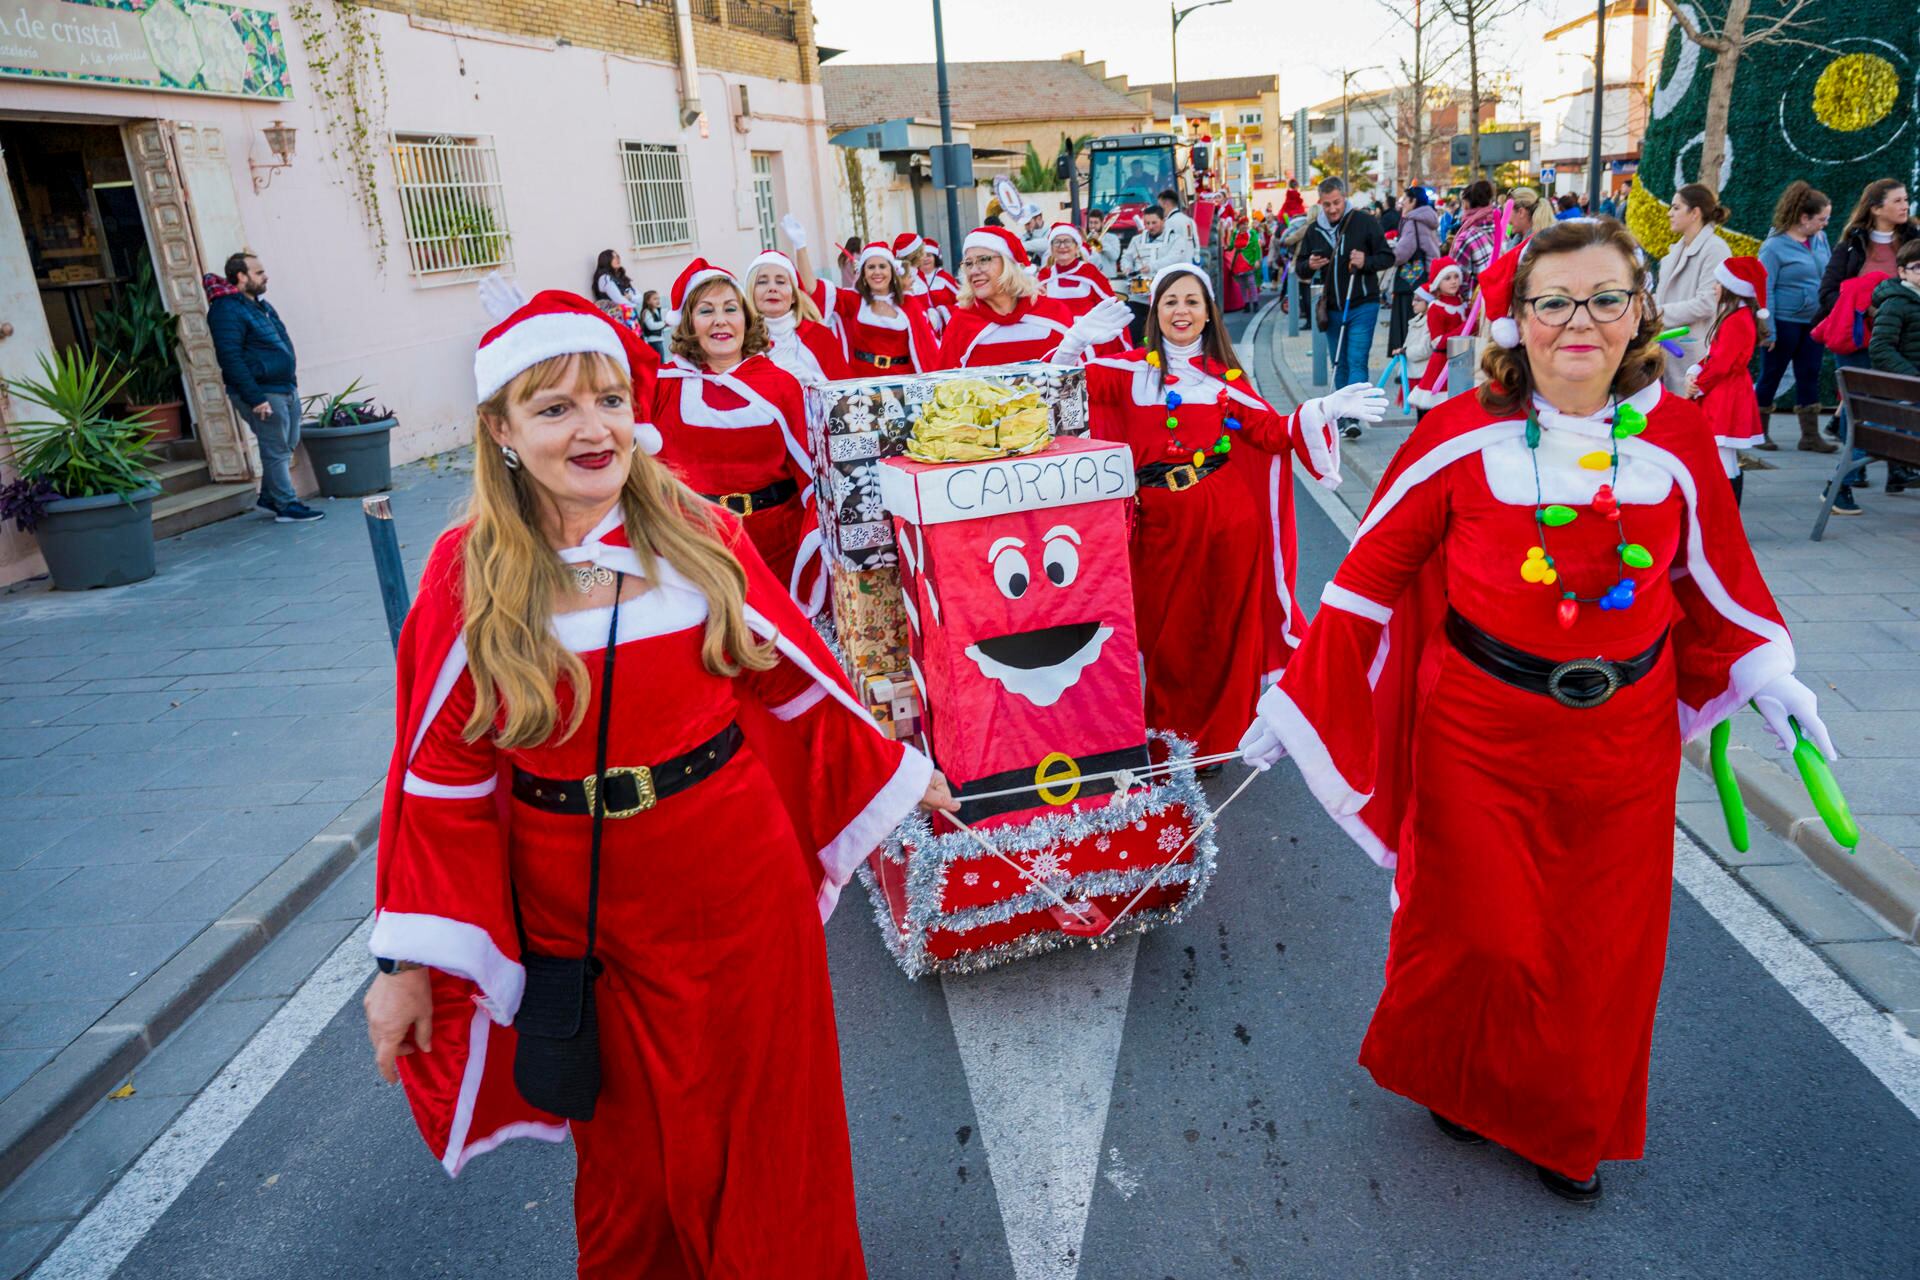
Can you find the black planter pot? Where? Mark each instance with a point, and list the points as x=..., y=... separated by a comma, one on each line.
x=98, y=542
x=350, y=461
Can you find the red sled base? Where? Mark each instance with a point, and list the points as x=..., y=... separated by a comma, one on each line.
x=944, y=905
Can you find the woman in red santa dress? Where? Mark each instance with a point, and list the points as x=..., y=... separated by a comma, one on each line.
x=1068, y=276
x=942, y=289
x=1550, y=593
x=798, y=341
x=910, y=252
x=882, y=328
x=594, y=616
x=1446, y=315
x=1210, y=552
x=1001, y=318
x=735, y=423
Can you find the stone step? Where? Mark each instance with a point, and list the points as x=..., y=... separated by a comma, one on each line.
x=180, y=476
x=178, y=512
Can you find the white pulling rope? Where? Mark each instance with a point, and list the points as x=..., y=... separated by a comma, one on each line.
x=1168, y=864
x=1076, y=909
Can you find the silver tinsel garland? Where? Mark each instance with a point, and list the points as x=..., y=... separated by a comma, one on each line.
x=934, y=856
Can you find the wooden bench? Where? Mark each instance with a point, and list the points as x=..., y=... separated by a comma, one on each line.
x=1883, y=420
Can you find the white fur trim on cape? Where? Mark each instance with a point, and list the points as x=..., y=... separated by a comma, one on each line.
x=1340, y=597
x=456, y=947
x=459, y=1150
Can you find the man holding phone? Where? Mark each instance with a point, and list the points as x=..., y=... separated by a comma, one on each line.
x=1346, y=250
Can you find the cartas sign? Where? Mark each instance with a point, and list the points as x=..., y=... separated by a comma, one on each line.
x=167, y=45
x=1065, y=474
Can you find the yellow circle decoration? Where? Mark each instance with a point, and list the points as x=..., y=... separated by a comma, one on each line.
x=1056, y=768
x=1855, y=92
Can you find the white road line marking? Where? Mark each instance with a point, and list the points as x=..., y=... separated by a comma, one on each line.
x=1857, y=1025
x=96, y=1247
x=1040, y=1040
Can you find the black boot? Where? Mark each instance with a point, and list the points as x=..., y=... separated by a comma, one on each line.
x=1458, y=1132
x=1587, y=1192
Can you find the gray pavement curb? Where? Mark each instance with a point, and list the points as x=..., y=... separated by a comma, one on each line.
x=41, y=1111
x=1874, y=874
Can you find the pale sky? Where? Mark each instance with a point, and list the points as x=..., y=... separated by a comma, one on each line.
x=1305, y=41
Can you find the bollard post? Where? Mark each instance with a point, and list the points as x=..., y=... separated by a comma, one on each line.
x=1320, y=355
x=387, y=565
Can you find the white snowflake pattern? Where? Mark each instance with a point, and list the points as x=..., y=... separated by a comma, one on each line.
x=1140, y=825
x=1170, y=839
x=1103, y=844
x=970, y=878
x=1046, y=865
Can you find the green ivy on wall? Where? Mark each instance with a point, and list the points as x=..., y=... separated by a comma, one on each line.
x=348, y=77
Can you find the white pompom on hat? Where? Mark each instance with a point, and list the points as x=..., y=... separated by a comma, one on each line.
x=552, y=324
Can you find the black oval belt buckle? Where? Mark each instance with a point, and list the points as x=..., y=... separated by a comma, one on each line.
x=1607, y=671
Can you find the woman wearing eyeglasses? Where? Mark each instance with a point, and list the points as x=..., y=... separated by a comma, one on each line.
x=1550, y=593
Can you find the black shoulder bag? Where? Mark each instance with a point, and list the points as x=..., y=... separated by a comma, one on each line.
x=557, y=1064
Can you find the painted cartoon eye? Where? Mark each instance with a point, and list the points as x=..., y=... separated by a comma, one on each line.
x=1061, y=560
x=1010, y=573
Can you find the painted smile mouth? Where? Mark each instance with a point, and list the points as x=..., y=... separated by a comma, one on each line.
x=1041, y=665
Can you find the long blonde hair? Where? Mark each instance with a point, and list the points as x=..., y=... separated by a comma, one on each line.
x=512, y=577
x=1014, y=281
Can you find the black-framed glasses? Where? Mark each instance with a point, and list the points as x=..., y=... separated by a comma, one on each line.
x=1555, y=310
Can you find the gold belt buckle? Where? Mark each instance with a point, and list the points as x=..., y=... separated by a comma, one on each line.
x=886, y=362
x=744, y=503
x=1182, y=477
x=642, y=785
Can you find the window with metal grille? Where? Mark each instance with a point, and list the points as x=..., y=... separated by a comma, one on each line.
x=658, y=206
x=763, y=197
x=451, y=204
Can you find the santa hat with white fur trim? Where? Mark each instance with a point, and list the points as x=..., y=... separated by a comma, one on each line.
x=876, y=249
x=1496, y=295
x=697, y=273
x=998, y=240
x=555, y=323
x=1438, y=268
x=1068, y=230
x=1747, y=278
x=906, y=244
x=774, y=258
x=933, y=247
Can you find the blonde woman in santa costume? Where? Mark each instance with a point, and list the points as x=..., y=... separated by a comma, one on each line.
x=1001, y=318
x=734, y=423
x=1550, y=593
x=1213, y=541
x=798, y=340
x=1068, y=276
x=591, y=617
x=882, y=328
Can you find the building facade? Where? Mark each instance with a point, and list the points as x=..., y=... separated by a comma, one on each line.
x=491, y=136
x=1242, y=109
x=1563, y=79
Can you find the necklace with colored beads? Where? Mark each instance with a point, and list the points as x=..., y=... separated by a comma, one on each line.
x=1176, y=448
x=1539, y=566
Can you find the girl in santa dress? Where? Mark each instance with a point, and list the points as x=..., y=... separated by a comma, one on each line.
x=1001, y=318
x=1720, y=382
x=735, y=423
x=591, y=617
x=1209, y=552
x=1550, y=593
x=797, y=339
x=1446, y=313
x=883, y=330
x=1068, y=276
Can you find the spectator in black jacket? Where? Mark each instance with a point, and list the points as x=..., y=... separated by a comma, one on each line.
x=1345, y=248
x=257, y=364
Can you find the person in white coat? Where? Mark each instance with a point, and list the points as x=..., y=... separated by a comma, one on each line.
x=1687, y=293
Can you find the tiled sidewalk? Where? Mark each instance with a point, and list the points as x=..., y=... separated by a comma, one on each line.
x=166, y=746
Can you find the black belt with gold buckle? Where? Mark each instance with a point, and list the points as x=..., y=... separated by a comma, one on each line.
x=1176, y=475
x=879, y=362
x=745, y=504
x=628, y=789
x=1579, y=683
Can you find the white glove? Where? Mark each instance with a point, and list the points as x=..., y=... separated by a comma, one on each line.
x=795, y=233
x=1786, y=696
x=1260, y=745
x=1360, y=400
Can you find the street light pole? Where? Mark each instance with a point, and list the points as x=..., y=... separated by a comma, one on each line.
x=946, y=130
x=1599, y=106
x=1179, y=16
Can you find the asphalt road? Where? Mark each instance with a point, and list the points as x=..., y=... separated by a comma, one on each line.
x=1188, y=1107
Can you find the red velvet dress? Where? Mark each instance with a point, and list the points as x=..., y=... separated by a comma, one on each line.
x=1533, y=843
x=904, y=340
x=1726, y=387
x=719, y=1143
x=978, y=335
x=739, y=431
x=1213, y=564
x=1444, y=320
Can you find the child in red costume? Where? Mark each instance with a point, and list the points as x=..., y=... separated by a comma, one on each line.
x=1720, y=382
x=1440, y=299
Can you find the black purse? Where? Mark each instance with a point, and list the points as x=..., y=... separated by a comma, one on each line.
x=556, y=1066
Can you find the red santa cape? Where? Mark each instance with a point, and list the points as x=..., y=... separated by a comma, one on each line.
x=1533, y=841
x=443, y=902
x=1080, y=286
x=905, y=338
x=978, y=335
x=1209, y=644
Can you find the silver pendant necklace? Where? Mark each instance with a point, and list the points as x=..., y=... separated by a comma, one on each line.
x=588, y=576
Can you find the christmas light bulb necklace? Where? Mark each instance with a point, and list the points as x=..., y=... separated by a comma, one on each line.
x=1176, y=448
x=1539, y=566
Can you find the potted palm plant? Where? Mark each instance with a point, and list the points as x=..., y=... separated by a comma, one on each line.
x=84, y=490
x=138, y=334
x=346, y=438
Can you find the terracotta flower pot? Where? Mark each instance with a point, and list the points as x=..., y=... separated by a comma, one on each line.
x=166, y=420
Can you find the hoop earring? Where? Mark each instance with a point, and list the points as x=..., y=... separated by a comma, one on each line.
x=511, y=458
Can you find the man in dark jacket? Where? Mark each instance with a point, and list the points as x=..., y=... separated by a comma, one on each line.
x=1347, y=250
x=257, y=364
